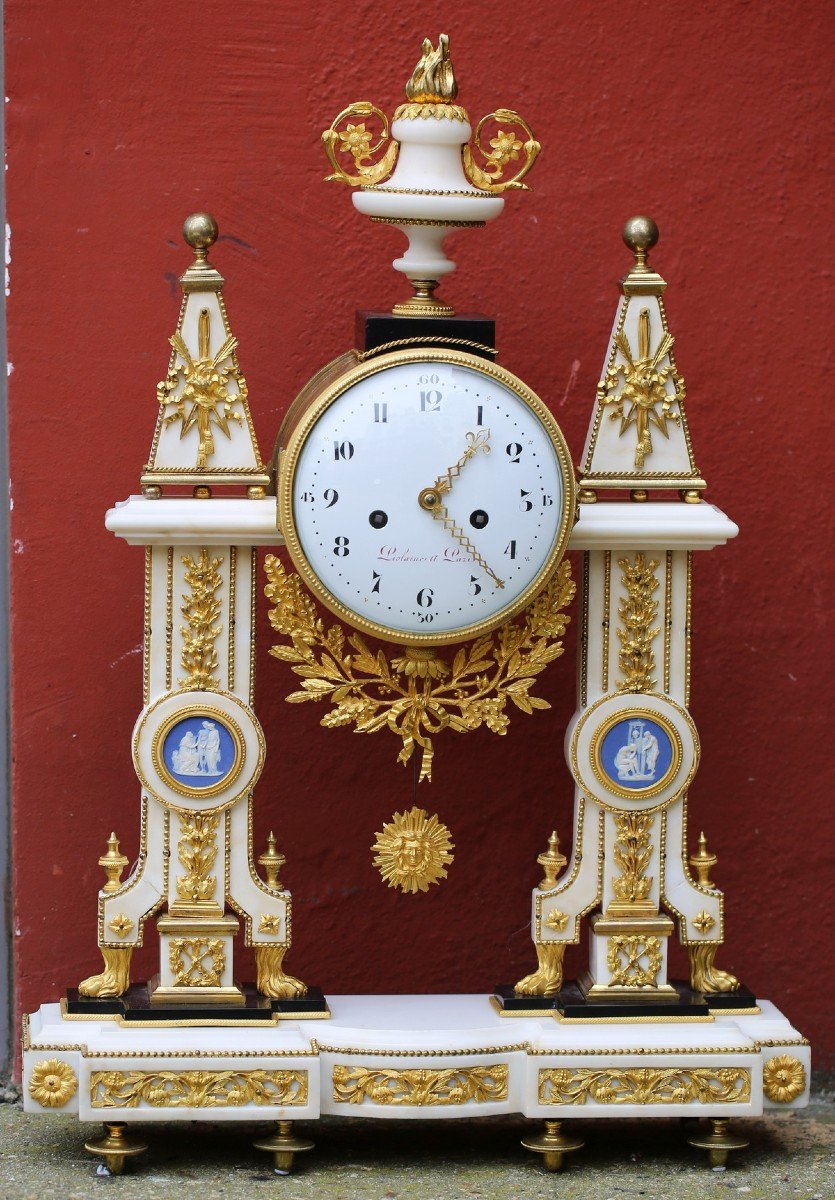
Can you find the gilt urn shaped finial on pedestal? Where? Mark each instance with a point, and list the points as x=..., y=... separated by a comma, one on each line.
x=426, y=181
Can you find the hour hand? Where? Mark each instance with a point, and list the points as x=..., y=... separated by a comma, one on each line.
x=476, y=442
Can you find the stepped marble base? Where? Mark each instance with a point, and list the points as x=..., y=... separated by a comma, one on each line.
x=415, y=1057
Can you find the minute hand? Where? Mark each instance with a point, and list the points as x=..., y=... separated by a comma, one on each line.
x=475, y=442
x=441, y=513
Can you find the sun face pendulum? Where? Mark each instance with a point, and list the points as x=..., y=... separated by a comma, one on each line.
x=413, y=850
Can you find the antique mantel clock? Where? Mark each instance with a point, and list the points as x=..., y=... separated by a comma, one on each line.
x=426, y=498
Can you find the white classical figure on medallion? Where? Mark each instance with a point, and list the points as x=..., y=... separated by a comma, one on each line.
x=185, y=758
x=199, y=755
x=208, y=749
x=637, y=759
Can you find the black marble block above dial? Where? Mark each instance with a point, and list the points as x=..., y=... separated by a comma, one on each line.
x=474, y=333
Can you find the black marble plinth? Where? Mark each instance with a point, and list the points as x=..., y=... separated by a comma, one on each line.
x=575, y=1005
x=743, y=997
x=313, y=1004
x=508, y=1001
x=571, y=1004
x=375, y=329
x=135, y=1008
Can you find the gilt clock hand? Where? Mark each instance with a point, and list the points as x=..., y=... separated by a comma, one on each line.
x=431, y=501
x=475, y=442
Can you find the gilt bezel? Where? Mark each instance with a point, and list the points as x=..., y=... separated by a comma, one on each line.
x=303, y=425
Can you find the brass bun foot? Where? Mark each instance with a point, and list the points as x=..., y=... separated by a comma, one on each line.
x=553, y=1144
x=284, y=1146
x=718, y=1143
x=115, y=1147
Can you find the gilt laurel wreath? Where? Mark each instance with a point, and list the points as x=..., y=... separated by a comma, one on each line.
x=416, y=693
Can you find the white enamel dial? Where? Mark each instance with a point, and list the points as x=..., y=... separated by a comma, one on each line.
x=426, y=496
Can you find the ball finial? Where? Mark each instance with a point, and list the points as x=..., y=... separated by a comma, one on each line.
x=200, y=232
x=640, y=235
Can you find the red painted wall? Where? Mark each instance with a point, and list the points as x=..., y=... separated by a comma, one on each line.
x=124, y=118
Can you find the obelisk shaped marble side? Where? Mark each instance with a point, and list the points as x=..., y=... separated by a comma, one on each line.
x=639, y=437
x=204, y=432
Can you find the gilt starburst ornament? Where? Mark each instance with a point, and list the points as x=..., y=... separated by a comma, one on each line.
x=703, y=921
x=413, y=850
x=199, y=392
x=556, y=920
x=270, y=923
x=636, y=389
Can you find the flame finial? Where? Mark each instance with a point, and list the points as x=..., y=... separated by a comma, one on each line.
x=433, y=79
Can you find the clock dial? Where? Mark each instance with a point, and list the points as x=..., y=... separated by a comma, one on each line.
x=426, y=496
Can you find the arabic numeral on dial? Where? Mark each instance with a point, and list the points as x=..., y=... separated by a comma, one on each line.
x=381, y=414
x=375, y=585
x=340, y=547
x=479, y=420
x=510, y=548
x=513, y=450
x=331, y=495
x=547, y=500
x=343, y=450
x=306, y=497
x=430, y=401
x=525, y=505
x=425, y=597
x=475, y=586
x=426, y=618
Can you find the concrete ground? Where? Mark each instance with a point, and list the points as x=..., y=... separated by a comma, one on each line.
x=790, y=1155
